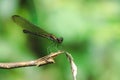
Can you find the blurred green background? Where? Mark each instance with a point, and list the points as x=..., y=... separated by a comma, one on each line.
x=91, y=32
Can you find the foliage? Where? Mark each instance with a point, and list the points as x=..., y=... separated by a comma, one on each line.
x=91, y=32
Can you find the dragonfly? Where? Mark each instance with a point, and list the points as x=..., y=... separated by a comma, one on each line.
x=30, y=28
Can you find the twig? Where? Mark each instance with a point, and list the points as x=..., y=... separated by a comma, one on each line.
x=39, y=62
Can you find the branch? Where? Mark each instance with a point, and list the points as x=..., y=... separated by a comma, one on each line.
x=39, y=62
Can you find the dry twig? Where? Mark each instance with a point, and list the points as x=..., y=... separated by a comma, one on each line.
x=39, y=62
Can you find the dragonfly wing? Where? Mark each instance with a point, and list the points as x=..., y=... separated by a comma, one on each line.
x=26, y=25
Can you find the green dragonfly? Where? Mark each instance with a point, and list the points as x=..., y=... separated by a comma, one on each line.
x=30, y=28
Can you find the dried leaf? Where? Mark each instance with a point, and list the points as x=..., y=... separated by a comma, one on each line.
x=73, y=65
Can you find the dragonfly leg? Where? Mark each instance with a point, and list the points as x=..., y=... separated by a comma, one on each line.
x=54, y=47
x=49, y=49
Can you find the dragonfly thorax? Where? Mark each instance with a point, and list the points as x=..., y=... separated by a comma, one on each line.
x=55, y=39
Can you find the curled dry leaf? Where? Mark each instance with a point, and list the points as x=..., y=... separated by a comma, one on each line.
x=73, y=65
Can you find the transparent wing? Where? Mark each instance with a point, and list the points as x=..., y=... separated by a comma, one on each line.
x=26, y=25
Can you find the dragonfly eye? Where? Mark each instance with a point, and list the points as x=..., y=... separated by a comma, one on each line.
x=60, y=40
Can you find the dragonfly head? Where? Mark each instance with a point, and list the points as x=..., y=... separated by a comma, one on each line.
x=60, y=40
